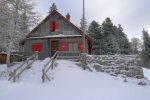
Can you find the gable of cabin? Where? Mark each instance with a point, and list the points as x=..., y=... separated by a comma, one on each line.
x=63, y=27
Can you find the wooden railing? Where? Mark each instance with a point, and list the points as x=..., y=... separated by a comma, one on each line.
x=47, y=67
x=25, y=65
x=84, y=61
x=58, y=55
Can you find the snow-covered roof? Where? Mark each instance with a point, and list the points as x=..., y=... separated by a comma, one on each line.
x=54, y=36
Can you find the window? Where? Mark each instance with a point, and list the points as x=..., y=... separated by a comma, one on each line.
x=36, y=47
x=73, y=46
x=54, y=26
x=63, y=46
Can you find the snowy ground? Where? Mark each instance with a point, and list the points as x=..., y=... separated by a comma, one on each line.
x=147, y=73
x=71, y=83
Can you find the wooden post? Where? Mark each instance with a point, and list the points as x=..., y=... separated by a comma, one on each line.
x=37, y=56
x=14, y=76
x=52, y=64
x=84, y=39
x=43, y=76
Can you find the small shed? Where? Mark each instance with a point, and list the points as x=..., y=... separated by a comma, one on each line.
x=13, y=57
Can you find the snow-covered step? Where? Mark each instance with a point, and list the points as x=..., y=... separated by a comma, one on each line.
x=32, y=74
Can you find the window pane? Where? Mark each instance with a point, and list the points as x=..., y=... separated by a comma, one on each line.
x=73, y=46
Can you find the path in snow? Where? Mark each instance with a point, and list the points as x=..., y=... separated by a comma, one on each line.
x=34, y=73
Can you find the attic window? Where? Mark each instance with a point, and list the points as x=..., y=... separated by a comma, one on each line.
x=54, y=26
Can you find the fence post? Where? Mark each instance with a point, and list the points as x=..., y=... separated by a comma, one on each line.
x=52, y=64
x=14, y=76
x=37, y=56
x=83, y=57
x=43, y=75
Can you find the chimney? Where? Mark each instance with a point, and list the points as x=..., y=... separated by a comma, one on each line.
x=68, y=17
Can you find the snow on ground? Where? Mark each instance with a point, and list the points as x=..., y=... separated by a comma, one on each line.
x=71, y=83
x=146, y=73
x=4, y=72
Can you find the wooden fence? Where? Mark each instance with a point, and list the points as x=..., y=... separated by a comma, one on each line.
x=47, y=67
x=25, y=65
x=58, y=55
x=13, y=58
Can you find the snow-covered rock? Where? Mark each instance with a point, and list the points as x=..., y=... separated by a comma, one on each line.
x=127, y=65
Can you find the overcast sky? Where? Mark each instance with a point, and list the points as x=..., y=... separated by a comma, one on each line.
x=133, y=15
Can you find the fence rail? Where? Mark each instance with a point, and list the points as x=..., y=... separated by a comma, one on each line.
x=47, y=67
x=21, y=68
x=58, y=55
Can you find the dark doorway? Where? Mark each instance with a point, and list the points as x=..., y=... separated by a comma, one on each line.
x=54, y=47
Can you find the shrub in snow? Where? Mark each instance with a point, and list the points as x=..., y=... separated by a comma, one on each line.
x=142, y=83
x=125, y=80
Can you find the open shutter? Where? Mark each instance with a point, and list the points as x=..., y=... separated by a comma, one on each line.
x=51, y=26
x=63, y=46
x=80, y=46
x=36, y=47
x=56, y=25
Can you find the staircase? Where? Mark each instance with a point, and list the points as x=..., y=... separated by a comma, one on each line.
x=68, y=55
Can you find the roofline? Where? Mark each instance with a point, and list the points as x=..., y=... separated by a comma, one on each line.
x=54, y=36
x=80, y=31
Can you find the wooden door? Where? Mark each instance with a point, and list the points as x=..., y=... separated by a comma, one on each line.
x=54, y=47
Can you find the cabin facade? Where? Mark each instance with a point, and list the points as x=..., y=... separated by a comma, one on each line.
x=55, y=33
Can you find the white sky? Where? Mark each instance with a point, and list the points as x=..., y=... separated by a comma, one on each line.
x=133, y=15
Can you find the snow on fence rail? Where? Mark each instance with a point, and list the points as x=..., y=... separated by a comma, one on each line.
x=19, y=70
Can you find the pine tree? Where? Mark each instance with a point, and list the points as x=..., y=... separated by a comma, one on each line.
x=94, y=31
x=122, y=40
x=135, y=45
x=107, y=27
x=109, y=43
x=52, y=8
x=108, y=38
x=146, y=50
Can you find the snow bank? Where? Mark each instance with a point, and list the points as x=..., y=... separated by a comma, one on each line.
x=5, y=72
x=146, y=73
x=3, y=69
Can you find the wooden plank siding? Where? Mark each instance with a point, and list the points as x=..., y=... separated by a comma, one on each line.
x=13, y=58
